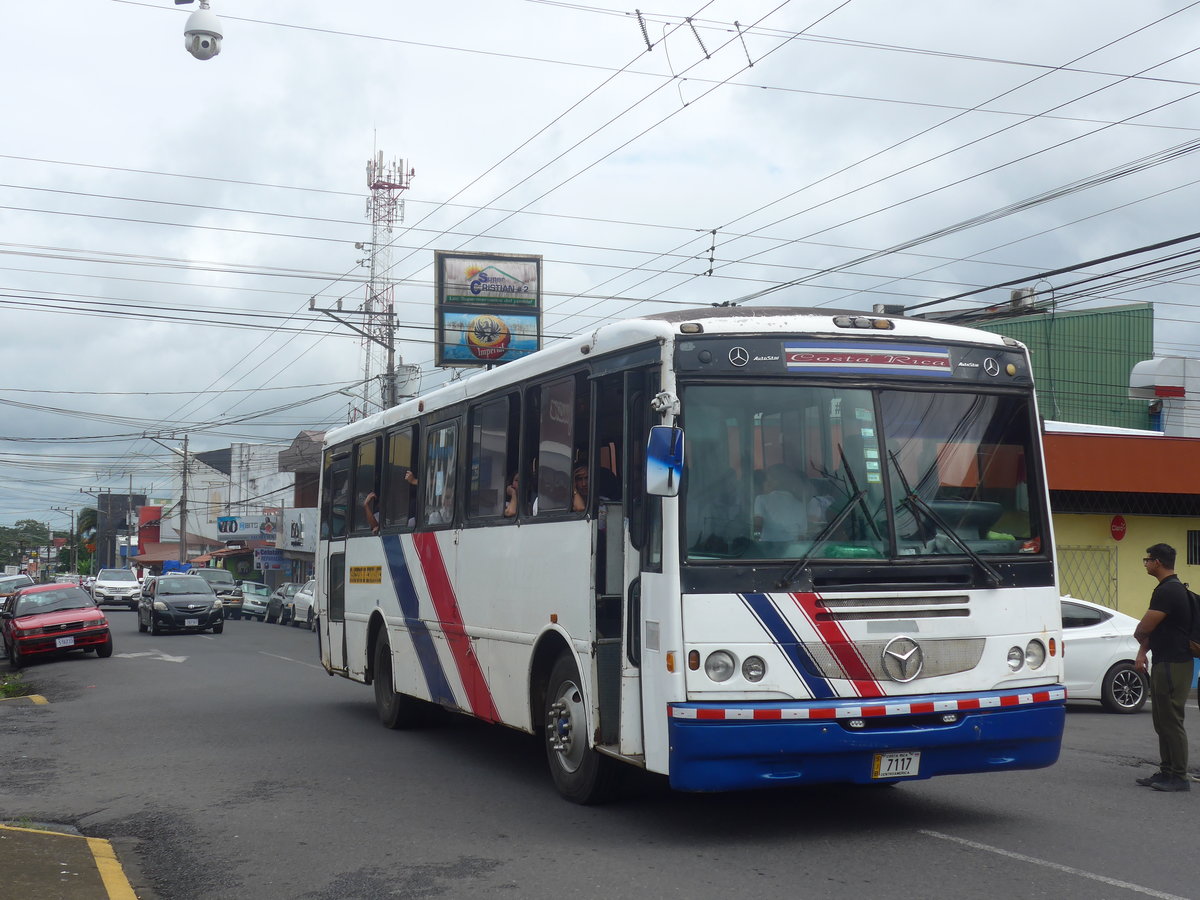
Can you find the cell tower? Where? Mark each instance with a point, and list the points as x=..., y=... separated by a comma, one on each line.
x=385, y=207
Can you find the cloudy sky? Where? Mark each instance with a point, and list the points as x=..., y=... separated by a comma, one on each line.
x=164, y=221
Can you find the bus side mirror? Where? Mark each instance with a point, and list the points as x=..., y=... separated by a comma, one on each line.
x=664, y=461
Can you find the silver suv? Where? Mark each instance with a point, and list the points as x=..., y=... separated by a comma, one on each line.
x=117, y=586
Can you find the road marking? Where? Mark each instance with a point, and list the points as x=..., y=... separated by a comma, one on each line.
x=155, y=654
x=289, y=659
x=1058, y=867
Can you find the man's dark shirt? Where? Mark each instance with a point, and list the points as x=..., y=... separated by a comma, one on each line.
x=1169, y=641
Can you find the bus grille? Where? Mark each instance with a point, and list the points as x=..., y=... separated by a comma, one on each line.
x=942, y=657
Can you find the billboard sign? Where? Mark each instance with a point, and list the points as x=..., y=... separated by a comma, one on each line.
x=297, y=530
x=488, y=307
x=243, y=528
x=268, y=559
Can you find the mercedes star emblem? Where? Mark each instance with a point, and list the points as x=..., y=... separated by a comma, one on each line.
x=991, y=367
x=738, y=356
x=902, y=659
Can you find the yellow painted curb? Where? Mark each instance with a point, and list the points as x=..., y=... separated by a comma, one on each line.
x=36, y=699
x=116, y=885
x=111, y=873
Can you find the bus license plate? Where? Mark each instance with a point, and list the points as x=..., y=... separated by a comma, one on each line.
x=191, y=623
x=64, y=642
x=896, y=765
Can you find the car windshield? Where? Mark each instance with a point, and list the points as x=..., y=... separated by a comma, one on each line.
x=50, y=601
x=12, y=582
x=182, y=584
x=253, y=587
x=116, y=575
x=808, y=471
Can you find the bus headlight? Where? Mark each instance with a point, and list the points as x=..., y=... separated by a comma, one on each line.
x=720, y=665
x=1016, y=658
x=753, y=669
x=1035, y=654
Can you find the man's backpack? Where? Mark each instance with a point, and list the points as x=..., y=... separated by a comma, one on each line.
x=1194, y=632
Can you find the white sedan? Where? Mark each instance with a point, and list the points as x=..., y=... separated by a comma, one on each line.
x=1098, y=654
x=303, y=606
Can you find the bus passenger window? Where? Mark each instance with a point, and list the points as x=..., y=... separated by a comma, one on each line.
x=366, y=487
x=493, y=458
x=399, y=504
x=336, y=495
x=438, y=480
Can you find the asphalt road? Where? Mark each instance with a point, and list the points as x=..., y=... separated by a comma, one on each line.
x=232, y=766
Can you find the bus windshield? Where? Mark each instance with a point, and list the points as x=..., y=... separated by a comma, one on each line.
x=801, y=471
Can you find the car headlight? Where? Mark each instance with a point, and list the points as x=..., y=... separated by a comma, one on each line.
x=217, y=603
x=1035, y=654
x=720, y=665
x=1016, y=658
x=160, y=606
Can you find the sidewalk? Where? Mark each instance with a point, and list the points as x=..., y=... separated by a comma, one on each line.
x=38, y=861
x=54, y=865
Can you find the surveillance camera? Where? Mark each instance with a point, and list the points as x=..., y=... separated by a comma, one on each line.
x=202, y=34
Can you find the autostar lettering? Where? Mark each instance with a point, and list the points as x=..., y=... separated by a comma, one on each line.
x=968, y=365
x=766, y=358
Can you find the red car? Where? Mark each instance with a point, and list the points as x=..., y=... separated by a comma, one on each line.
x=44, y=619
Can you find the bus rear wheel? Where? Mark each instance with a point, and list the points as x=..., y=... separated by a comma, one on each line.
x=395, y=710
x=581, y=774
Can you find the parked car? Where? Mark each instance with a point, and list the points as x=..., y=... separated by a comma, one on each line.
x=224, y=586
x=44, y=619
x=304, y=606
x=116, y=586
x=180, y=603
x=10, y=584
x=1098, y=654
x=279, y=607
x=255, y=595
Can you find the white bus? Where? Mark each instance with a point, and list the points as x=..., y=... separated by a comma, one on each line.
x=742, y=548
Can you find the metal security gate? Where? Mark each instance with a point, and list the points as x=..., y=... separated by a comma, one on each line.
x=1089, y=573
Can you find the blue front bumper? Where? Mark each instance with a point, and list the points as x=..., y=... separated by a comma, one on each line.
x=737, y=746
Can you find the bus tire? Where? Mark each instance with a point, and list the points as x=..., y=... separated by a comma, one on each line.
x=581, y=774
x=395, y=710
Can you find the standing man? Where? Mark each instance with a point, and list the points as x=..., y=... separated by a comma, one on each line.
x=1163, y=631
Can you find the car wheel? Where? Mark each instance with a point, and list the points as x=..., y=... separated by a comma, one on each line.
x=217, y=629
x=154, y=629
x=581, y=774
x=312, y=622
x=14, y=657
x=141, y=624
x=1124, y=689
x=104, y=651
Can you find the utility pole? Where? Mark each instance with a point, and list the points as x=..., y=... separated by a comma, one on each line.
x=74, y=537
x=183, y=505
x=183, y=492
x=102, y=548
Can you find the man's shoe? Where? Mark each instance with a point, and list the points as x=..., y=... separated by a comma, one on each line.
x=1154, y=779
x=1172, y=784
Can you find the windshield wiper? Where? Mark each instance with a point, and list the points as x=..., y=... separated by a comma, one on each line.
x=917, y=503
x=855, y=500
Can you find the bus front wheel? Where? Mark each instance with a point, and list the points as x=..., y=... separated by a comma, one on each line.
x=395, y=710
x=581, y=774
